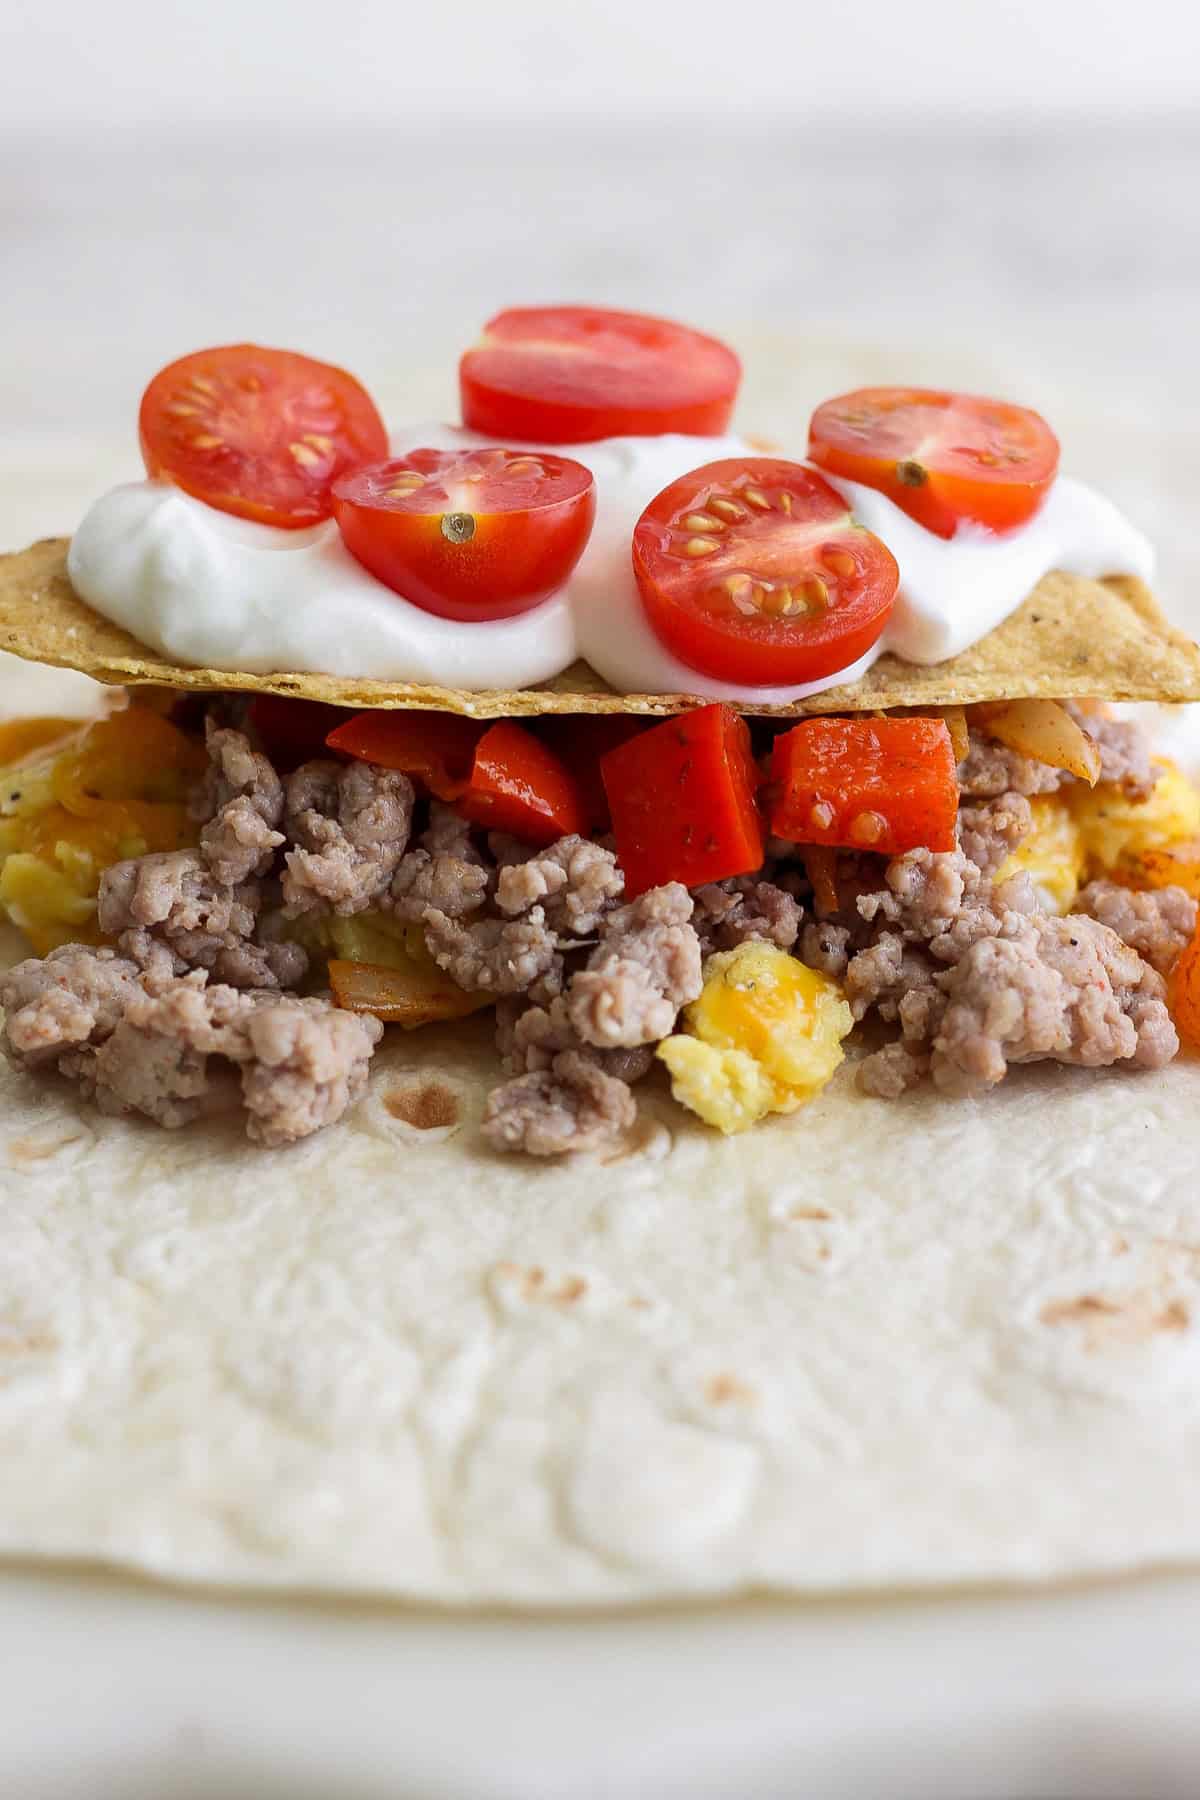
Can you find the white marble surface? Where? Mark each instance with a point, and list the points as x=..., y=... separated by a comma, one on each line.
x=1057, y=263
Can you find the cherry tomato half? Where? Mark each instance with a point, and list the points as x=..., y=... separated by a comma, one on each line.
x=468, y=534
x=260, y=433
x=572, y=374
x=754, y=570
x=940, y=457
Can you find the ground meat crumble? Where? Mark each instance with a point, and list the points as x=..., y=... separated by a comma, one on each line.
x=193, y=1009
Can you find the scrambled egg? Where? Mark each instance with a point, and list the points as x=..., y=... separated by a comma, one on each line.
x=1082, y=832
x=1115, y=829
x=73, y=801
x=764, y=1036
x=1053, y=854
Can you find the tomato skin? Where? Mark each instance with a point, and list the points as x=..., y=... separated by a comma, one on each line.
x=880, y=784
x=723, y=611
x=683, y=802
x=518, y=785
x=527, y=530
x=940, y=457
x=575, y=374
x=259, y=433
x=437, y=749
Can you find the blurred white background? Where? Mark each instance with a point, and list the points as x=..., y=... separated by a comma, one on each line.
x=1002, y=195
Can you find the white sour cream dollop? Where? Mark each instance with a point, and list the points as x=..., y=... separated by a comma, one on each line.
x=217, y=592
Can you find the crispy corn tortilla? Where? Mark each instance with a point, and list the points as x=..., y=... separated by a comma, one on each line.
x=1071, y=638
x=874, y=1344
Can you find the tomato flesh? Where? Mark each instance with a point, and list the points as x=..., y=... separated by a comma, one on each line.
x=259, y=433
x=940, y=457
x=682, y=797
x=468, y=534
x=881, y=784
x=573, y=374
x=753, y=570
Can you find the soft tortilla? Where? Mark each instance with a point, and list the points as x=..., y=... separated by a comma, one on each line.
x=1071, y=638
x=876, y=1344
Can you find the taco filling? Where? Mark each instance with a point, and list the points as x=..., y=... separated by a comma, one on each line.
x=837, y=771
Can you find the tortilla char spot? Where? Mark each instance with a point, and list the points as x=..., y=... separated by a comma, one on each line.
x=1132, y=1318
x=721, y=1389
x=427, y=1105
x=30, y=1149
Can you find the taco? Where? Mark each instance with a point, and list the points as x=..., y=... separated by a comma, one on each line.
x=701, y=1012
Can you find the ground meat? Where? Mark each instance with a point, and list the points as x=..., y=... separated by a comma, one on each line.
x=350, y=824
x=71, y=998
x=729, y=913
x=514, y=956
x=575, y=881
x=170, y=915
x=573, y=1105
x=990, y=769
x=305, y=1062
x=885, y=975
x=1158, y=923
x=530, y=1038
x=174, y=892
x=439, y=879
x=175, y=1055
x=924, y=892
x=241, y=803
x=989, y=832
x=448, y=834
x=826, y=948
x=619, y=1005
x=158, y=1059
x=656, y=931
x=1124, y=750
x=1066, y=989
x=645, y=967
x=887, y=1073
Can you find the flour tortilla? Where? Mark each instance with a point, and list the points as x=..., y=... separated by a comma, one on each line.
x=1072, y=638
x=876, y=1344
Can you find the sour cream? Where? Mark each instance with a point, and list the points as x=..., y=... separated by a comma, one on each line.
x=207, y=589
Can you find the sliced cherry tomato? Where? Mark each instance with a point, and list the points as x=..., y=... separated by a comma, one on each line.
x=683, y=801
x=581, y=740
x=753, y=570
x=866, y=784
x=468, y=534
x=940, y=457
x=517, y=784
x=435, y=748
x=572, y=374
x=293, y=731
x=260, y=433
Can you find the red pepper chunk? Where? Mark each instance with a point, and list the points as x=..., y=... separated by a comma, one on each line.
x=582, y=739
x=683, y=801
x=518, y=785
x=437, y=749
x=866, y=784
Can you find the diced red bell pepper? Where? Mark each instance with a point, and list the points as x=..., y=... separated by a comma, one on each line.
x=517, y=784
x=683, y=801
x=581, y=739
x=866, y=784
x=293, y=731
x=437, y=749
